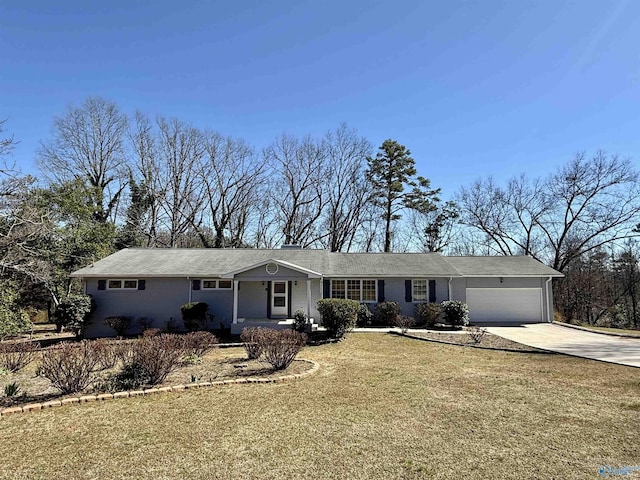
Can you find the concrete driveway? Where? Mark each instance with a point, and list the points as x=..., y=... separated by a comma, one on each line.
x=548, y=336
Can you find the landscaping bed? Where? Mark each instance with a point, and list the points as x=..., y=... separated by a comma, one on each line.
x=488, y=341
x=216, y=365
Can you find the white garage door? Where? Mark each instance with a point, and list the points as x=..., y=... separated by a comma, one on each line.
x=505, y=304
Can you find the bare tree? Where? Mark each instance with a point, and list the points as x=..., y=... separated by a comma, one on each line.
x=233, y=179
x=147, y=172
x=180, y=150
x=585, y=205
x=87, y=144
x=433, y=230
x=348, y=191
x=298, y=188
x=598, y=202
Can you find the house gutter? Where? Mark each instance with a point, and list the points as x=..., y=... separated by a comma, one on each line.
x=549, y=308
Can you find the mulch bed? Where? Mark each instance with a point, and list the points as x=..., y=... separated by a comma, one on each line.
x=217, y=365
x=489, y=341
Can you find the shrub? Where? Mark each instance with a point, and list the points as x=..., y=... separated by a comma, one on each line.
x=144, y=323
x=107, y=353
x=427, y=313
x=119, y=324
x=405, y=323
x=151, y=332
x=74, y=313
x=197, y=344
x=15, y=356
x=300, y=320
x=194, y=315
x=156, y=356
x=13, y=319
x=251, y=341
x=171, y=325
x=280, y=347
x=69, y=366
x=339, y=315
x=365, y=316
x=477, y=334
x=12, y=389
x=455, y=313
x=131, y=377
x=387, y=313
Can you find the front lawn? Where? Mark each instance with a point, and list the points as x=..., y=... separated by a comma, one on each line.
x=381, y=406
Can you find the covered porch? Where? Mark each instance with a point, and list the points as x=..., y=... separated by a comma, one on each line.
x=269, y=293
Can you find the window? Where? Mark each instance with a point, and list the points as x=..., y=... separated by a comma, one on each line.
x=216, y=284
x=337, y=289
x=122, y=284
x=419, y=290
x=359, y=290
x=369, y=293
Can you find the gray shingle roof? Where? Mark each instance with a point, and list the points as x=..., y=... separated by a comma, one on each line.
x=160, y=262
x=496, y=266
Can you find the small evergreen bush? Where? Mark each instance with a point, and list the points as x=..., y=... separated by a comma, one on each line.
x=74, y=313
x=365, y=316
x=339, y=315
x=194, y=315
x=455, y=313
x=119, y=323
x=387, y=313
x=300, y=320
x=427, y=313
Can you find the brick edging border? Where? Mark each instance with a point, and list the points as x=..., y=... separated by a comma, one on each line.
x=32, y=407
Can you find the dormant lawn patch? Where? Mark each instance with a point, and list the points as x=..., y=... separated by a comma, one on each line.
x=381, y=406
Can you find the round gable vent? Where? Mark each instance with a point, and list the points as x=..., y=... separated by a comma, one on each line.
x=272, y=268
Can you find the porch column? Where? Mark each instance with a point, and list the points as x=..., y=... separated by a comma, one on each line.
x=308, y=298
x=236, y=284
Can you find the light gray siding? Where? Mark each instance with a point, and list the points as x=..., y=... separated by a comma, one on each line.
x=160, y=300
x=220, y=304
x=394, y=291
x=252, y=300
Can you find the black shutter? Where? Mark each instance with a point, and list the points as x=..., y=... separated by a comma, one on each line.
x=142, y=284
x=195, y=285
x=432, y=290
x=408, y=297
x=102, y=284
x=269, y=299
x=326, y=288
x=380, y=291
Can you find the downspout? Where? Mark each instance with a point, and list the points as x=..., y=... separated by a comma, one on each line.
x=549, y=308
x=449, y=287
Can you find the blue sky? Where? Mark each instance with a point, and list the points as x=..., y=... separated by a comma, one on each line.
x=472, y=88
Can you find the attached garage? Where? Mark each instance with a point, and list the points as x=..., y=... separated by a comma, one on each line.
x=505, y=305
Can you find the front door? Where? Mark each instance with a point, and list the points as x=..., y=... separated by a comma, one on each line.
x=279, y=298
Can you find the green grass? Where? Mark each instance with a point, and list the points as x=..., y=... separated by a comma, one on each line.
x=624, y=331
x=381, y=406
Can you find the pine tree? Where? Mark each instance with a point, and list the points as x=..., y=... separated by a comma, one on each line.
x=390, y=172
